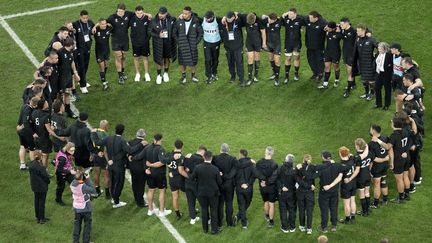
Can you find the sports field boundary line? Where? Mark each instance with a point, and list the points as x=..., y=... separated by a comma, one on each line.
x=47, y=9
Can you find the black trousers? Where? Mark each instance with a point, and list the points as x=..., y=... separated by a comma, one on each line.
x=191, y=197
x=226, y=199
x=138, y=185
x=61, y=183
x=328, y=201
x=244, y=199
x=287, y=210
x=305, y=203
x=316, y=61
x=209, y=202
x=235, y=62
x=79, y=218
x=211, y=57
x=117, y=177
x=387, y=83
x=83, y=59
x=39, y=204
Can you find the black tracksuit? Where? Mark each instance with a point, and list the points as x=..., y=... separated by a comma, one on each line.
x=266, y=167
x=208, y=183
x=190, y=185
x=315, y=38
x=328, y=200
x=232, y=36
x=83, y=44
x=39, y=180
x=227, y=165
x=285, y=176
x=305, y=194
x=246, y=174
x=137, y=169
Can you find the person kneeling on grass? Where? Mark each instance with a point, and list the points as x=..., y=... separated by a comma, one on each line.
x=82, y=187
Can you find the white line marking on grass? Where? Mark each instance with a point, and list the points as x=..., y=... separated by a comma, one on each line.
x=163, y=219
x=19, y=42
x=47, y=10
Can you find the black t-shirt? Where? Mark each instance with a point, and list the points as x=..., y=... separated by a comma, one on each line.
x=83, y=33
x=328, y=172
x=155, y=153
x=139, y=30
x=293, y=29
x=376, y=150
x=333, y=42
x=120, y=26
x=399, y=139
x=172, y=163
x=349, y=37
x=364, y=165
x=102, y=37
x=253, y=31
x=65, y=64
x=273, y=31
x=40, y=118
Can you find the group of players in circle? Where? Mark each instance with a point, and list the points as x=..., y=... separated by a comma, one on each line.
x=213, y=180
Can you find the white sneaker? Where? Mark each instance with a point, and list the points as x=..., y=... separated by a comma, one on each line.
x=84, y=90
x=415, y=182
x=159, y=79
x=309, y=231
x=119, y=205
x=166, y=212
x=302, y=228
x=137, y=77
x=147, y=77
x=112, y=201
x=23, y=166
x=152, y=212
x=193, y=221
x=165, y=77
x=88, y=85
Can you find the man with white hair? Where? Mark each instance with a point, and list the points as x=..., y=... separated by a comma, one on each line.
x=227, y=167
x=266, y=167
x=137, y=168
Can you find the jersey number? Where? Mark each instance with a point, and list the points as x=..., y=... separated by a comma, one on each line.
x=365, y=163
x=404, y=142
x=37, y=121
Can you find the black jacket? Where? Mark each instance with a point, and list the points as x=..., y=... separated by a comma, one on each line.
x=79, y=134
x=246, y=174
x=315, y=34
x=39, y=178
x=158, y=43
x=208, y=179
x=266, y=168
x=236, y=28
x=117, y=148
x=191, y=163
x=364, y=59
x=285, y=176
x=227, y=165
x=188, y=42
x=388, y=67
x=137, y=165
x=305, y=178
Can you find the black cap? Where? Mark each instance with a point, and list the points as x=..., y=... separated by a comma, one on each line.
x=230, y=14
x=326, y=154
x=209, y=14
x=83, y=116
x=163, y=10
x=396, y=46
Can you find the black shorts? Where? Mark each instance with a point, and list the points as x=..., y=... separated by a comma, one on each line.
x=348, y=59
x=102, y=55
x=43, y=144
x=120, y=45
x=177, y=183
x=156, y=181
x=269, y=194
x=363, y=182
x=400, y=165
x=379, y=169
x=275, y=49
x=254, y=46
x=332, y=57
x=82, y=158
x=99, y=161
x=347, y=191
x=291, y=47
x=65, y=83
x=141, y=50
x=27, y=141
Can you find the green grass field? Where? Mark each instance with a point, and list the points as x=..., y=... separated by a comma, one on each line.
x=296, y=119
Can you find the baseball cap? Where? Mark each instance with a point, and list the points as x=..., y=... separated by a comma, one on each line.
x=209, y=14
x=230, y=14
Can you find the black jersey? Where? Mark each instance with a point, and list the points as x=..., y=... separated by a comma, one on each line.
x=54, y=39
x=25, y=119
x=253, y=31
x=172, y=163
x=102, y=37
x=273, y=32
x=333, y=42
x=376, y=149
x=139, y=30
x=364, y=165
x=58, y=121
x=348, y=167
x=40, y=118
x=315, y=34
x=65, y=64
x=120, y=26
x=414, y=72
x=399, y=139
x=293, y=29
x=155, y=153
x=349, y=37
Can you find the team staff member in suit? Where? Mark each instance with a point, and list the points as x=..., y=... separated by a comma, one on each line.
x=102, y=50
x=140, y=38
x=292, y=23
x=39, y=180
x=137, y=168
x=176, y=181
x=384, y=70
x=186, y=169
x=305, y=193
x=349, y=36
x=208, y=183
x=164, y=46
x=83, y=36
x=285, y=178
x=363, y=60
x=315, y=39
x=188, y=33
x=332, y=54
x=266, y=167
x=273, y=26
x=232, y=36
x=211, y=26
x=99, y=160
x=244, y=180
x=227, y=167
